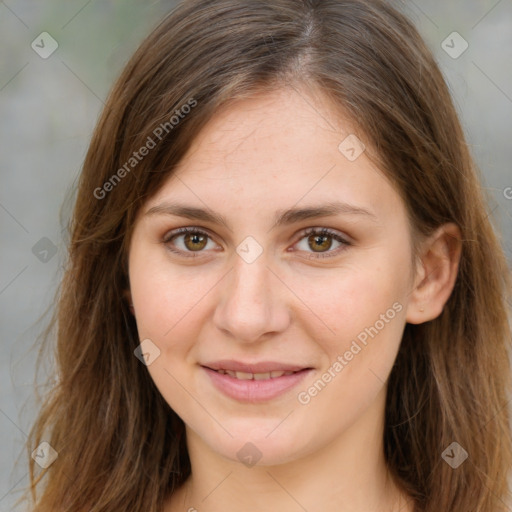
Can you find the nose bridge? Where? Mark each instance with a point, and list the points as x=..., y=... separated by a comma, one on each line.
x=250, y=305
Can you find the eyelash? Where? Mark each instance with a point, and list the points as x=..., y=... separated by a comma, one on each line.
x=308, y=232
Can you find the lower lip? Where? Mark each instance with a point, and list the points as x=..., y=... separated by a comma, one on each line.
x=254, y=391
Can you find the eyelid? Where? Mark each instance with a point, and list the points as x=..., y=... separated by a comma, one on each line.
x=183, y=231
x=341, y=238
x=327, y=231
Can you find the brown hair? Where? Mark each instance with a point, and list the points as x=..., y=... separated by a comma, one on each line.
x=120, y=445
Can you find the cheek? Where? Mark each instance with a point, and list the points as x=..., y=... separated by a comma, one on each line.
x=363, y=306
x=165, y=295
x=349, y=299
x=168, y=311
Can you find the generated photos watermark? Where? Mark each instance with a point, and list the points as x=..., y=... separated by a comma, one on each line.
x=304, y=397
x=151, y=142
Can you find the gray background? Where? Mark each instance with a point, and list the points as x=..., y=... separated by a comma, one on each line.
x=48, y=108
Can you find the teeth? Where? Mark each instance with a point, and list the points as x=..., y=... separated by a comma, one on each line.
x=261, y=376
x=244, y=376
x=254, y=376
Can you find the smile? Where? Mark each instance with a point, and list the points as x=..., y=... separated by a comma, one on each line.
x=254, y=376
x=254, y=386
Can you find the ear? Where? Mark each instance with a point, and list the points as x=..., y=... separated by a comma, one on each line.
x=127, y=296
x=435, y=275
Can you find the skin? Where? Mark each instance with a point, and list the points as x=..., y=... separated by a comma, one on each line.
x=256, y=157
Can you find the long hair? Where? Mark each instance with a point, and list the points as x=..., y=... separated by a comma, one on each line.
x=120, y=446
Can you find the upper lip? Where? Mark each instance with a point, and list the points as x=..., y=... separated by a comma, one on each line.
x=259, y=367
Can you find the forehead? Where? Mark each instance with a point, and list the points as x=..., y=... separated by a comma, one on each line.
x=277, y=149
x=267, y=125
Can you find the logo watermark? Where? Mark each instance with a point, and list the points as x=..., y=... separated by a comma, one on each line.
x=249, y=454
x=454, y=455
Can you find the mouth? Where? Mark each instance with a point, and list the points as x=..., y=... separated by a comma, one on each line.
x=255, y=376
x=254, y=383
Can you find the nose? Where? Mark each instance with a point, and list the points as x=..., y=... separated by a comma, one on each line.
x=252, y=302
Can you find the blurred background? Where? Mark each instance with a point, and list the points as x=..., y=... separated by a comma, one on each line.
x=57, y=62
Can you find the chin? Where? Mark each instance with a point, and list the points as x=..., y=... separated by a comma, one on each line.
x=260, y=442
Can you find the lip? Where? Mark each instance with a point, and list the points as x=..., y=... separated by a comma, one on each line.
x=255, y=391
x=260, y=367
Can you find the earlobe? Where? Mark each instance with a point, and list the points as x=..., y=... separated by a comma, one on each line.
x=440, y=257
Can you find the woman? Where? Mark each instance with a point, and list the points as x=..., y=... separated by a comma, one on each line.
x=283, y=289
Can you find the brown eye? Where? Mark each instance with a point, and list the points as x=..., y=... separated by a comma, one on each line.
x=188, y=242
x=195, y=241
x=322, y=243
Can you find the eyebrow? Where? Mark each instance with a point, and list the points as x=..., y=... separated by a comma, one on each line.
x=281, y=218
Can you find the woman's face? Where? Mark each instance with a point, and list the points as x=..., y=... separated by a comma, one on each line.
x=265, y=290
